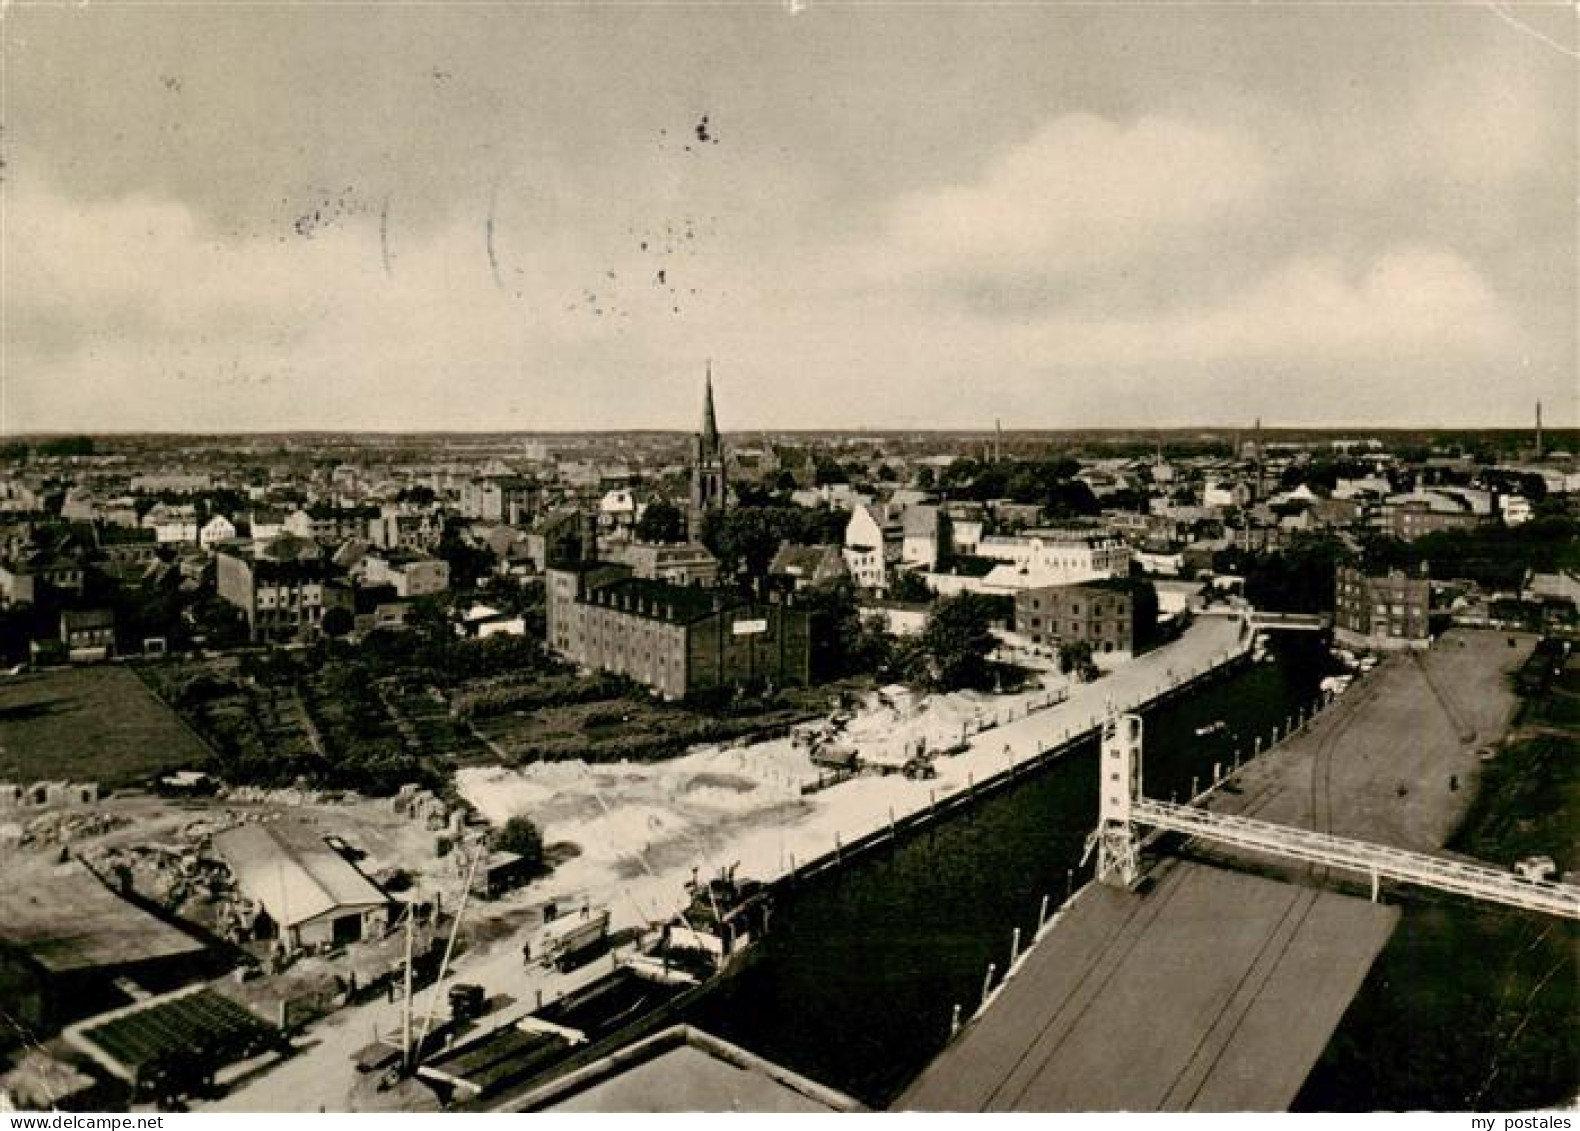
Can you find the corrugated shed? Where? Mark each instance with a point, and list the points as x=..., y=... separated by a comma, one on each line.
x=295, y=875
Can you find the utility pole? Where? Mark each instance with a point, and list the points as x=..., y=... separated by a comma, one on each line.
x=478, y=853
x=405, y=1018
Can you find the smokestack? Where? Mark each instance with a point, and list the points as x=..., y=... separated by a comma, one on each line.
x=1538, y=429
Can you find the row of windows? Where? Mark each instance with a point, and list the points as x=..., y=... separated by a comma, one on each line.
x=1099, y=626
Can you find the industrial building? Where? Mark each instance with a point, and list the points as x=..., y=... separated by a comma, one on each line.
x=69, y=946
x=1387, y=611
x=308, y=895
x=677, y=640
x=1116, y=617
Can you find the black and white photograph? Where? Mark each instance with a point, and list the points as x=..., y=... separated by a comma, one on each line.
x=790, y=556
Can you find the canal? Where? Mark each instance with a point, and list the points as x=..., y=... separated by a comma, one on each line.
x=858, y=978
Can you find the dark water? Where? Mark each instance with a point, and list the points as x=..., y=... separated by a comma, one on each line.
x=857, y=980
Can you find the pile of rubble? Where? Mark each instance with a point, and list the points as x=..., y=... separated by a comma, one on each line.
x=293, y=798
x=181, y=878
x=67, y=826
x=421, y=805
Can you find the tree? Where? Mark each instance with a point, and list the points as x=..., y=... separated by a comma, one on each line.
x=827, y=470
x=220, y=623
x=1076, y=657
x=338, y=622
x=910, y=587
x=522, y=837
x=66, y=446
x=957, y=641
x=430, y=619
x=661, y=522
x=468, y=563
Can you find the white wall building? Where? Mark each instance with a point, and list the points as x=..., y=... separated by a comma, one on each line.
x=865, y=555
x=1068, y=557
x=215, y=530
x=172, y=524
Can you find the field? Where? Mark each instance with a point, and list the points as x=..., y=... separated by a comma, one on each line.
x=89, y=724
x=1395, y=760
x=629, y=727
x=332, y=724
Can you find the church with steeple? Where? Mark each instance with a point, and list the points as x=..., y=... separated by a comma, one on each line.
x=708, y=489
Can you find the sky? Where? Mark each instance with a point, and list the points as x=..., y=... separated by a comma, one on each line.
x=497, y=216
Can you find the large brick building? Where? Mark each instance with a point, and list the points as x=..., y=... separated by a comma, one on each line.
x=677, y=640
x=1415, y=519
x=1116, y=618
x=565, y=583
x=1391, y=611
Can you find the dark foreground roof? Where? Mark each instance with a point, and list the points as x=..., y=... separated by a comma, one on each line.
x=682, y=1069
x=64, y=919
x=192, y=1031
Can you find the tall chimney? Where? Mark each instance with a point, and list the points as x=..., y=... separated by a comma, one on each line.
x=1538, y=429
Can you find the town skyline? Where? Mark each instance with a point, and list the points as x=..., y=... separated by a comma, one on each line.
x=263, y=220
x=789, y=556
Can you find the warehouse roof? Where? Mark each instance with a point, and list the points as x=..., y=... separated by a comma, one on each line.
x=682, y=1069
x=65, y=919
x=291, y=871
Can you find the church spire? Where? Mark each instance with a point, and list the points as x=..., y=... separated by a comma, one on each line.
x=707, y=465
x=710, y=424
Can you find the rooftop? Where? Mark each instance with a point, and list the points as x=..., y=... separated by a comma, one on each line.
x=290, y=869
x=1245, y=1013
x=78, y=620
x=685, y=1069
x=659, y=600
x=65, y=919
x=793, y=558
x=147, y=1036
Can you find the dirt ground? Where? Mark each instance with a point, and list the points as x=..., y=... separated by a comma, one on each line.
x=1397, y=758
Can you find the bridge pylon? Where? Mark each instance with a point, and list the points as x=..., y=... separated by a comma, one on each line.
x=1116, y=838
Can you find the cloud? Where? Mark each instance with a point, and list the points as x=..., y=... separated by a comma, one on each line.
x=1408, y=304
x=132, y=313
x=1081, y=192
